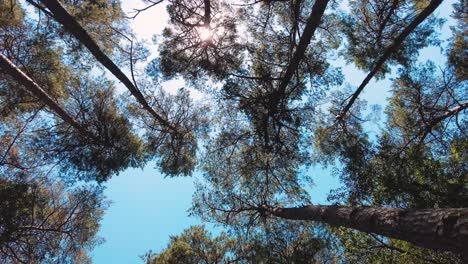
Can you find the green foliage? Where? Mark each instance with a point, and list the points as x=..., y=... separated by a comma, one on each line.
x=175, y=151
x=14, y=207
x=457, y=53
x=39, y=54
x=421, y=94
x=36, y=53
x=241, y=175
x=44, y=223
x=108, y=148
x=11, y=14
x=364, y=248
x=284, y=242
x=102, y=19
x=265, y=122
x=196, y=43
x=372, y=26
x=413, y=177
x=195, y=245
x=416, y=161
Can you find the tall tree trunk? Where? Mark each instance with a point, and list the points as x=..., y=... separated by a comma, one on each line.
x=11, y=69
x=312, y=24
x=390, y=50
x=71, y=25
x=207, y=15
x=441, y=228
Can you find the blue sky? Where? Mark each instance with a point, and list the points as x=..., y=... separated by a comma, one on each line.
x=147, y=208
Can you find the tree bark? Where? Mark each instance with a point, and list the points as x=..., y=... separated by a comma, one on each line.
x=207, y=15
x=440, y=229
x=449, y=113
x=71, y=25
x=36, y=90
x=312, y=24
x=389, y=51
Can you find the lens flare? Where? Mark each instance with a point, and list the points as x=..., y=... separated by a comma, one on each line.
x=205, y=33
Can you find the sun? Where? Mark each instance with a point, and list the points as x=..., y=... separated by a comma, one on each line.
x=205, y=33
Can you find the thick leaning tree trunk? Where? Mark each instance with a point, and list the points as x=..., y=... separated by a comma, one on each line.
x=61, y=15
x=10, y=68
x=440, y=229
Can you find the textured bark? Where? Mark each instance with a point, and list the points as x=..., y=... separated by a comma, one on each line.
x=390, y=50
x=441, y=229
x=71, y=25
x=36, y=90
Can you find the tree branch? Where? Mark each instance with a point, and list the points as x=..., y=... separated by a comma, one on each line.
x=71, y=25
x=389, y=51
x=36, y=90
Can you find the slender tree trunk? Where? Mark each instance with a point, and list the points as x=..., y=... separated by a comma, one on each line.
x=71, y=25
x=312, y=24
x=440, y=229
x=207, y=15
x=390, y=50
x=11, y=69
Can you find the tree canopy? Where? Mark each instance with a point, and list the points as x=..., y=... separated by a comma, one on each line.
x=82, y=99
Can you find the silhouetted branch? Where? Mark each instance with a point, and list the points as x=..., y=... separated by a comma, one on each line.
x=137, y=11
x=389, y=51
